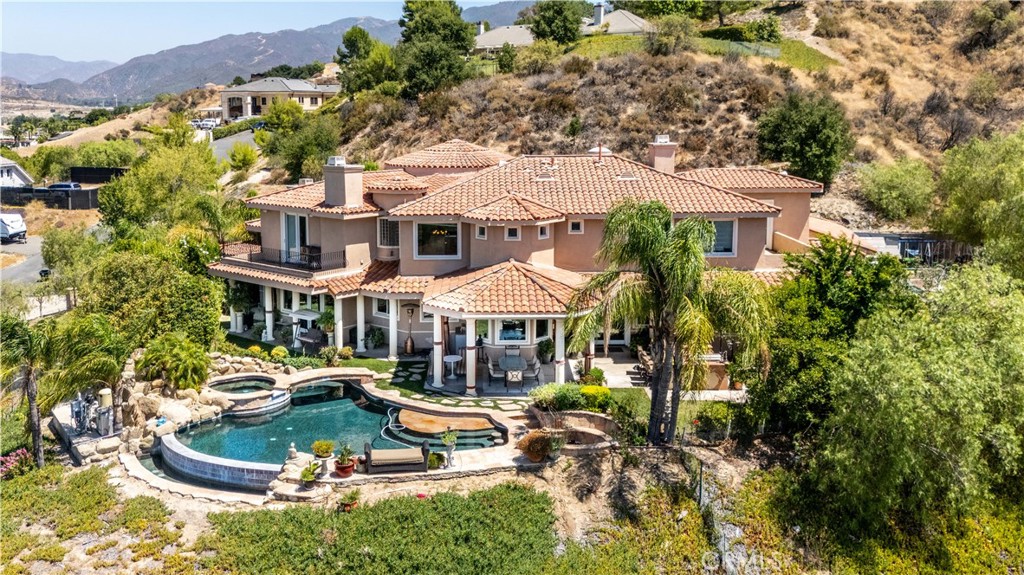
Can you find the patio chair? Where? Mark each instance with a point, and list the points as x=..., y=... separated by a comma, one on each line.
x=533, y=370
x=513, y=378
x=493, y=371
x=513, y=350
x=311, y=336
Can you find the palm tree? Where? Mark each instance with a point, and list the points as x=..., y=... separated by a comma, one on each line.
x=656, y=271
x=25, y=355
x=54, y=359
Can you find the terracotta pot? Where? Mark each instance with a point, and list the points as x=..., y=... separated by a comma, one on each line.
x=344, y=469
x=533, y=457
x=348, y=507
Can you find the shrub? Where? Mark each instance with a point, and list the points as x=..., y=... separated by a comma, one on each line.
x=831, y=26
x=544, y=396
x=983, y=91
x=234, y=128
x=278, y=353
x=596, y=397
x=328, y=354
x=593, y=377
x=536, y=444
x=578, y=65
x=345, y=352
x=810, y=132
x=303, y=361
x=179, y=361
x=902, y=190
x=16, y=463
x=323, y=448
x=568, y=397
x=713, y=416
x=507, y=59
x=538, y=58
x=763, y=30
x=672, y=34
x=257, y=352
x=435, y=460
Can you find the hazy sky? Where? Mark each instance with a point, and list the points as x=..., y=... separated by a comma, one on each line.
x=119, y=31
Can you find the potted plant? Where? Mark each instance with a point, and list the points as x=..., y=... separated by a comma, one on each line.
x=343, y=465
x=349, y=501
x=326, y=323
x=449, y=439
x=535, y=445
x=556, y=445
x=375, y=337
x=308, y=475
x=546, y=350
x=435, y=460
x=323, y=450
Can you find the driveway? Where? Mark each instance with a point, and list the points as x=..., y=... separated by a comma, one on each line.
x=222, y=147
x=28, y=270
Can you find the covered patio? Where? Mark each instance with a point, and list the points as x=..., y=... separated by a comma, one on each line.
x=508, y=317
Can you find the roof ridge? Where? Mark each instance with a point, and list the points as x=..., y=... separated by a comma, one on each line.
x=529, y=272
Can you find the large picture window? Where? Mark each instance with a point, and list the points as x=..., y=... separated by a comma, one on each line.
x=725, y=238
x=437, y=241
x=512, y=330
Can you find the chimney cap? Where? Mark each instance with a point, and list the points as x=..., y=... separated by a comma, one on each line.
x=336, y=161
x=662, y=139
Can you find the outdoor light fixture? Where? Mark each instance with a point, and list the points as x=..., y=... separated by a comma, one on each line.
x=410, y=345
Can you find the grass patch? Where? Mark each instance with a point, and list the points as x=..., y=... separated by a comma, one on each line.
x=406, y=387
x=371, y=363
x=504, y=529
x=607, y=45
x=51, y=553
x=635, y=399
x=799, y=55
x=12, y=430
x=68, y=503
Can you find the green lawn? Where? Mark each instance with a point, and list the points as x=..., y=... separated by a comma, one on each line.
x=605, y=45
x=799, y=55
x=636, y=400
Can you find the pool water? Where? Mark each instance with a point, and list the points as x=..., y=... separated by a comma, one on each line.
x=244, y=386
x=266, y=439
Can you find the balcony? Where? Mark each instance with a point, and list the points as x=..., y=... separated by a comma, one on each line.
x=307, y=258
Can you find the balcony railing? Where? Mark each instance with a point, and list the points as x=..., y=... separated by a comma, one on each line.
x=305, y=258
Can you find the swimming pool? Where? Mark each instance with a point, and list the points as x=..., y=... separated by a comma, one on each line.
x=331, y=410
x=244, y=386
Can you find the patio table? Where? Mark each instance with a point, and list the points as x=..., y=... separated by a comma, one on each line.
x=512, y=363
x=451, y=360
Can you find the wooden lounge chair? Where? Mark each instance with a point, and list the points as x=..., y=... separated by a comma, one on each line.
x=392, y=460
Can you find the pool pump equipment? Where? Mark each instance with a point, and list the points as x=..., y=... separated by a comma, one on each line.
x=91, y=414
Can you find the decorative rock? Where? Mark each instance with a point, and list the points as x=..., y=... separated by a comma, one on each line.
x=146, y=443
x=166, y=428
x=189, y=394
x=289, y=370
x=217, y=398
x=306, y=368
x=85, y=450
x=177, y=413
x=248, y=369
x=157, y=383
x=214, y=355
x=207, y=412
x=108, y=445
x=149, y=405
x=223, y=368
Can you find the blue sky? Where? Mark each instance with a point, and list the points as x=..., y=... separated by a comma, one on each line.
x=119, y=31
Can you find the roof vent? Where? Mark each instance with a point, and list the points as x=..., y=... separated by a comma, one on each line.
x=543, y=177
x=305, y=181
x=336, y=161
x=627, y=176
x=784, y=172
x=661, y=139
x=599, y=151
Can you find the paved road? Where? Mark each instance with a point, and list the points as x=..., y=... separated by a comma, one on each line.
x=28, y=270
x=222, y=147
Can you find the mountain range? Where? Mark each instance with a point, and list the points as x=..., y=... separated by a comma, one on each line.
x=189, y=66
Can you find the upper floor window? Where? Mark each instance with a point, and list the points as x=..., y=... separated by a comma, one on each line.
x=725, y=238
x=512, y=234
x=481, y=232
x=263, y=101
x=387, y=233
x=543, y=232
x=313, y=100
x=576, y=227
x=302, y=99
x=438, y=241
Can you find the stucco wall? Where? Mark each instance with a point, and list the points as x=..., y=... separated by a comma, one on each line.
x=414, y=267
x=750, y=244
x=796, y=209
x=529, y=248
x=270, y=229
x=576, y=251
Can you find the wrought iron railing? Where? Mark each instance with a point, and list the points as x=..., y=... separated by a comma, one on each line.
x=304, y=258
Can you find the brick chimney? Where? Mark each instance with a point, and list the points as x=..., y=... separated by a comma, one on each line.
x=343, y=183
x=598, y=14
x=661, y=154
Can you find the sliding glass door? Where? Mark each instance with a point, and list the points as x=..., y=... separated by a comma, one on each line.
x=295, y=237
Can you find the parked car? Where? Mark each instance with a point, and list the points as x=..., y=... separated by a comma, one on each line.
x=63, y=189
x=208, y=124
x=12, y=228
x=259, y=126
x=197, y=124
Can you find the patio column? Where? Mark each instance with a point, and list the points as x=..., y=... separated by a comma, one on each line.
x=393, y=329
x=296, y=297
x=438, y=361
x=360, y=323
x=268, y=308
x=339, y=323
x=246, y=105
x=233, y=318
x=559, y=351
x=323, y=303
x=470, y=356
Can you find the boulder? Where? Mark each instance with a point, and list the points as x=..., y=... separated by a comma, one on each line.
x=289, y=370
x=169, y=427
x=177, y=413
x=248, y=369
x=149, y=405
x=248, y=361
x=223, y=368
x=306, y=368
x=214, y=355
x=215, y=398
x=85, y=450
x=207, y=412
x=141, y=387
x=108, y=445
x=156, y=383
x=146, y=443
x=189, y=394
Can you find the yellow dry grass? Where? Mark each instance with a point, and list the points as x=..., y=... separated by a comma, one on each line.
x=8, y=259
x=39, y=218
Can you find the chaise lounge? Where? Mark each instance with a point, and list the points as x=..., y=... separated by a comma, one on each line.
x=390, y=460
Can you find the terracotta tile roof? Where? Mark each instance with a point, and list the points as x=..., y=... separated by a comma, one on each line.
x=450, y=154
x=224, y=268
x=438, y=181
x=397, y=180
x=582, y=185
x=749, y=178
x=311, y=196
x=380, y=277
x=772, y=278
x=513, y=208
x=507, y=288
x=254, y=226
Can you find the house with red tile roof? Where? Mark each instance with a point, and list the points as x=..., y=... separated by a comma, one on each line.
x=456, y=247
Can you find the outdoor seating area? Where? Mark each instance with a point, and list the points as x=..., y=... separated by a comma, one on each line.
x=511, y=370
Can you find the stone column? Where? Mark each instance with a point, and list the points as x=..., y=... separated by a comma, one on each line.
x=360, y=323
x=268, y=308
x=232, y=316
x=559, y=351
x=438, y=360
x=339, y=323
x=393, y=330
x=470, y=356
x=323, y=303
x=247, y=105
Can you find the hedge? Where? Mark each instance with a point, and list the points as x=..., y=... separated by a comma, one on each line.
x=234, y=128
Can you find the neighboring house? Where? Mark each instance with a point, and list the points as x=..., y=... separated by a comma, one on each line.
x=13, y=175
x=457, y=243
x=618, y=22
x=252, y=99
